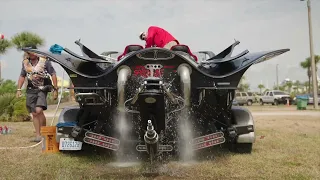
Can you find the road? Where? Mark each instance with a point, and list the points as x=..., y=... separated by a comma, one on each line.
x=287, y=113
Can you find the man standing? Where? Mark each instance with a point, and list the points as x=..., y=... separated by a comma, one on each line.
x=158, y=37
x=37, y=70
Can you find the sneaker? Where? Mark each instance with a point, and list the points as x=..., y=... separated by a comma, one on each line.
x=37, y=139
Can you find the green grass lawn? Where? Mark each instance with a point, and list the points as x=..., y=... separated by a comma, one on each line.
x=287, y=147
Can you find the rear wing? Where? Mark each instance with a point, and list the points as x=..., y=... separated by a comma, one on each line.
x=227, y=52
x=87, y=52
x=245, y=59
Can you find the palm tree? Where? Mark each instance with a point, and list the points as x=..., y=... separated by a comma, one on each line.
x=243, y=78
x=246, y=87
x=4, y=46
x=265, y=90
x=289, y=85
x=282, y=88
x=306, y=64
x=242, y=85
x=26, y=38
x=261, y=86
x=297, y=85
x=306, y=85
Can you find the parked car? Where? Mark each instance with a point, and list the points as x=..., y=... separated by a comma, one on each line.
x=255, y=96
x=244, y=98
x=275, y=97
x=235, y=102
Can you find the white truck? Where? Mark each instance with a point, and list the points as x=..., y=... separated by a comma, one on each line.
x=245, y=98
x=275, y=97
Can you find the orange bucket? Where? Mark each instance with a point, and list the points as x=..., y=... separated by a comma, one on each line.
x=49, y=143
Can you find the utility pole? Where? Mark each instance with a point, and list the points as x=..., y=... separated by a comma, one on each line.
x=313, y=63
x=277, y=76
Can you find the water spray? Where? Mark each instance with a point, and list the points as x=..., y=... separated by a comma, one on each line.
x=123, y=73
x=184, y=71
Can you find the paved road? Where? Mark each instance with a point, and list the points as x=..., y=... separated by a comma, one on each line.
x=286, y=113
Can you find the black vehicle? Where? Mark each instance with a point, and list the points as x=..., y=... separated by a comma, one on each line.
x=144, y=99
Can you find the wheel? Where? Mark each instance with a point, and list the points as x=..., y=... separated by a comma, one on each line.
x=249, y=102
x=261, y=102
x=243, y=148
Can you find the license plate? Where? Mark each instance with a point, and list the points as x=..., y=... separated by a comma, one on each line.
x=69, y=144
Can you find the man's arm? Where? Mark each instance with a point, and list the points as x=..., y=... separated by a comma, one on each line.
x=54, y=81
x=52, y=72
x=20, y=82
x=150, y=36
x=22, y=77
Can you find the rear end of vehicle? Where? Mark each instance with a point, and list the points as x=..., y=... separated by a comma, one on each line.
x=284, y=99
x=64, y=128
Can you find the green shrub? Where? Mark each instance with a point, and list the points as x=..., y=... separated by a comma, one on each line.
x=12, y=108
x=20, y=112
x=293, y=94
x=7, y=86
x=6, y=101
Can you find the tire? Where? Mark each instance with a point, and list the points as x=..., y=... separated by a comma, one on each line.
x=242, y=148
x=261, y=102
x=249, y=102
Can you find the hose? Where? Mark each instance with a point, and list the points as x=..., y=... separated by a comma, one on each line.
x=59, y=100
x=56, y=110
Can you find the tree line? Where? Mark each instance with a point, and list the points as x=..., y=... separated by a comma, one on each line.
x=289, y=86
x=21, y=40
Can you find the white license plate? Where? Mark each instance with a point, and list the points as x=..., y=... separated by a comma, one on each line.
x=69, y=144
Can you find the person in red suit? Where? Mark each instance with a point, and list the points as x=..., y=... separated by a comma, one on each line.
x=158, y=37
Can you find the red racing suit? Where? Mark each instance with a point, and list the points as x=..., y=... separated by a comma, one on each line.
x=159, y=37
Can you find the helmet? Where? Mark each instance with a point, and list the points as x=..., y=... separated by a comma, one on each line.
x=142, y=35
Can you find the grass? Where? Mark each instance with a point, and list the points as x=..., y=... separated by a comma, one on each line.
x=287, y=147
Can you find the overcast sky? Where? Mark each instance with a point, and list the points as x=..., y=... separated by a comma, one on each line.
x=202, y=24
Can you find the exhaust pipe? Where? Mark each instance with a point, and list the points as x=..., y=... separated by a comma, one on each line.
x=184, y=71
x=123, y=73
x=151, y=139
